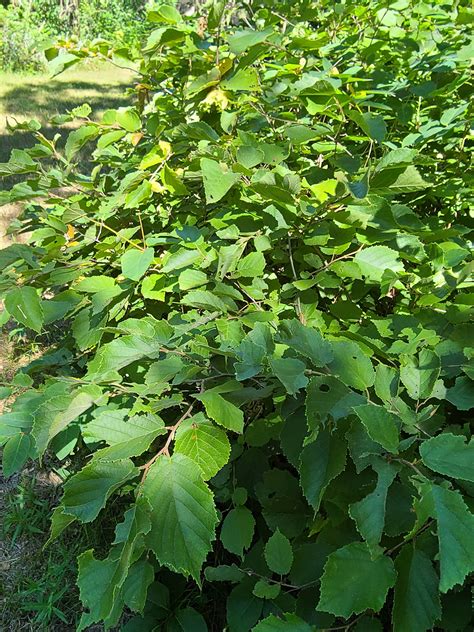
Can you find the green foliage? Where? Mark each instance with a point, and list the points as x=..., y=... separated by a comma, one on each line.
x=268, y=279
x=28, y=26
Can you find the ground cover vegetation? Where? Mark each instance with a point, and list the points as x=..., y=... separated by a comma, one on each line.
x=264, y=274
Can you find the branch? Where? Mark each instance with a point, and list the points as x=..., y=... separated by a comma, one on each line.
x=166, y=448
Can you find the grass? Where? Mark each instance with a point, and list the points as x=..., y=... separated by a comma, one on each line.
x=37, y=587
x=23, y=97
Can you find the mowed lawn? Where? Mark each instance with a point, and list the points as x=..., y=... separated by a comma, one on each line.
x=25, y=97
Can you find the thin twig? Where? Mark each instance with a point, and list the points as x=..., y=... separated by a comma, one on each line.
x=165, y=449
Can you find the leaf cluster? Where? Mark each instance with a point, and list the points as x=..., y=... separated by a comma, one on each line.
x=267, y=275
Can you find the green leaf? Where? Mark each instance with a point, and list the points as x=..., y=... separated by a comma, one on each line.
x=369, y=513
x=80, y=401
x=291, y=623
x=184, y=258
x=129, y=119
x=24, y=305
x=136, y=262
x=244, y=79
x=265, y=590
x=183, y=514
x=57, y=409
x=78, y=138
x=135, y=587
x=125, y=438
x=455, y=528
x=95, y=582
x=306, y=341
x=217, y=180
x=140, y=194
x=237, y=530
x=461, y=394
x=240, y=41
x=189, y=279
x=251, y=266
x=121, y=352
x=328, y=398
x=321, y=461
x=373, y=125
x=205, y=300
x=222, y=411
x=351, y=365
x=354, y=582
x=380, y=424
x=373, y=261
x=86, y=493
x=243, y=608
x=15, y=453
x=223, y=573
x=205, y=444
x=290, y=372
x=402, y=180
x=59, y=522
x=249, y=156
x=186, y=620
x=450, y=455
x=419, y=375
x=279, y=553
x=416, y=602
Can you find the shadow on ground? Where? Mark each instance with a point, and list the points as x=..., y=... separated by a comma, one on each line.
x=41, y=98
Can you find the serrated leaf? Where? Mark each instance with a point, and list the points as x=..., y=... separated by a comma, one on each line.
x=205, y=300
x=135, y=587
x=15, y=453
x=381, y=425
x=237, y=530
x=125, y=438
x=86, y=492
x=128, y=119
x=136, y=262
x=450, y=455
x=373, y=261
x=183, y=514
x=183, y=258
x=222, y=411
x=205, y=444
x=249, y=156
x=461, y=394
x=455, y=528
x=290, y=372
x=78, y=138
x=265, y=590
x=217, y=180
x=416, y=601
x=23, y=303
x=240, y=41
x=369, y=513
x=223, y=573
x=351, y=365
x=279, y=553
x=328, y=398
x=306, y=341
x=419, y=374
x=122, y=351
x=321, y=461
x=354, y=582
x=373, y=125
